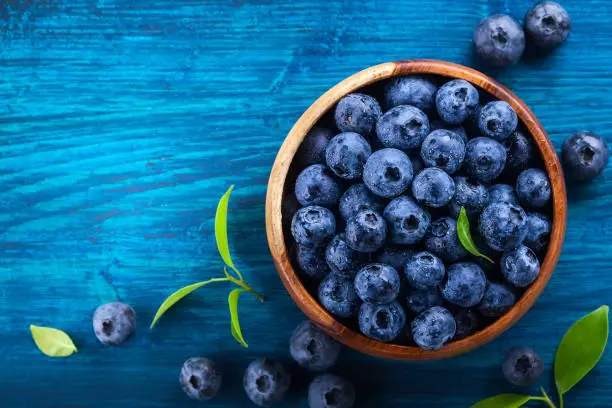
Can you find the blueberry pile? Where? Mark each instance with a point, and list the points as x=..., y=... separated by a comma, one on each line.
x=379, y=188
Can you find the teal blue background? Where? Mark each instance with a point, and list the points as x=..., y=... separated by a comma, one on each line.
x=123, y=122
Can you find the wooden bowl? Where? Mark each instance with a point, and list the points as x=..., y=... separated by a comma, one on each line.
x=282, y=176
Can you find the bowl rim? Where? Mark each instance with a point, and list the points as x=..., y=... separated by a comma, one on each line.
x=277, y=182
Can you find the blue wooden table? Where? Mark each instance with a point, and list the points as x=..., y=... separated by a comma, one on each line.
x=123, y=122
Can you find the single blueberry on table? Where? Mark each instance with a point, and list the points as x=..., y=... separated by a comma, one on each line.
x=497, y=120
x=456, y=100
x=464, y=285
x=503, y=225
x=538, y=232
x=337, y=295
x=346, y=155
x=519, y=152
x=330, y=391
x=471, y=195
x=522, y=366
x=497, y=300
x=377, y=283
x=312, y=149
x=313, y=226
x=547, y=25
x=357, y=198
x=382, y=322
x=419, y=300
x=394, y=256
x=357, y=113
x=503, y=193
x=585, y=156
x=317, y=185
x=424, y=270
x=533, y=188
x=200, y=378
x=442, y=240
x=467, y=323
x=266, y=382
x=114, y=323
x=485, y=159
x=520, y=266
x=443, y=149
x=410, y=90
x=342, y=259
x=403, y=127
x=440, y=124
x=366, y=231
x=312, y=348
x=407, y=221
x=433, y=187
x=388, y=173
x=433, y=328
x=312, y=261
x=499, y=40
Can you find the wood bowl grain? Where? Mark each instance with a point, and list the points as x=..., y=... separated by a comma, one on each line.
x=282, y=173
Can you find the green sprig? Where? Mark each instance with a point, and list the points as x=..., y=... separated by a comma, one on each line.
x=465, y=236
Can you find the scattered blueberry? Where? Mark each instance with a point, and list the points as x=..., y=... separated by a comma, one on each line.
x=522, y=366
x=377, y=283
x=346, y=155
x=357, y=113
x=433, y=187
x=420, y=300
x=342, y=259
x=443, y=149
x=312, y=149
x=585, y=156
x=497, y=120
x=499, y=40
x=467, y=323
x=424, y=270
x=433, y=327
x=388, y=173
x=366, y=231
x=440, y=124
x=443, y=241
x=266, y=382
x=503, y=193
x=114, y=323
x=403, y=127
x=312, y=348
x=407, y=221
x=330, y=391
x=547, y=25
x=337, y=295
x=538, y=232
x=456, y=100
x=471, y=195
x=200, y=378
x=497, y=300
x=519, y=152
x=382, y=322
x=485, y=159
x=533, y=188
x=464, y=285
x=317, y=185
x=357, y=198
x=313, y=226
x=312, y=261
x=503, y=225
x=520, y=266
x=411, y=90
x=394, y=256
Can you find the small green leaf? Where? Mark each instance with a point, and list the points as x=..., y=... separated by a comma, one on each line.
x=178, y=295
x=52, y=342
x=465, y=236
x=221, y=228
x=503, y=401
x=581, y=348
x=233, y=307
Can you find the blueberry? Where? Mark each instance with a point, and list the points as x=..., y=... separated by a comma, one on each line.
x=443, y=241
x=377, y=283
x=520, y=266
x=519, y=152
x=317, y=185
x=503, y=225
x=346, y=155
x=337, y=295
x=342, y=259
x=411, y=90
x=313, y=226
x=443, y=149
x=464, y=284
x=366, y=231
x=522, y=366
x=458, y=129
x=407, y=221
x=200, y=378
x=499, y=40
x=382, y=322
x=503, y=193
x=312, y=261
x=433, y=327
x=585, y=156
x=471, y=195
x=403, y=127
x=312, y=348
x=394, y=256
x=533, y=188
x=266, y=382
x=330, y=391
x=114, y=323
x=312, y=149
x=357, y=198
x=538, y=232
x=497, y=300
x=357, y=113
x=419, y=300
x=467, y=323
x=497, y=120
x=547, y=25
x=433, y=187
x=424, y=270
x=485, y=159
x=388, y=173
x=456, y=100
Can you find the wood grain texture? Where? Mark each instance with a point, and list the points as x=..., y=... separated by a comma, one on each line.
x=123, y=122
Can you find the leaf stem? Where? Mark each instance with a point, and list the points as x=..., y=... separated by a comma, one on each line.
x=246, y=287
x=547, y=399
x=560, y=398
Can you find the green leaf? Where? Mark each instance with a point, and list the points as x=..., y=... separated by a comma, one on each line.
x=233, y=307
x=581, y=348
x=503, y=401
x=221, y=229
x=465, y=237
x=52, y=342
x=178, y=295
